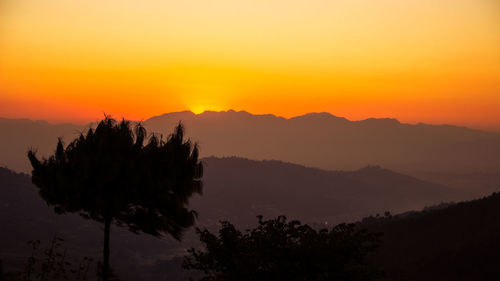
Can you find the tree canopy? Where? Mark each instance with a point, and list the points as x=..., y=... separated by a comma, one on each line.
x=116, y=173
x=278, y=249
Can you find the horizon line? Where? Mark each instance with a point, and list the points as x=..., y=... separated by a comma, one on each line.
x=324, y=113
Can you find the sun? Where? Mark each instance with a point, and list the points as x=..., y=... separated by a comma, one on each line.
x=197, y=109
x=201, y=107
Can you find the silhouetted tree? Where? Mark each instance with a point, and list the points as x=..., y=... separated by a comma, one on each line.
x=2, y=276
x=115, y=174
x=281, y=250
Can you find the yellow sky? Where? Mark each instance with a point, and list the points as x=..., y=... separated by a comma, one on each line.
x=435, y=61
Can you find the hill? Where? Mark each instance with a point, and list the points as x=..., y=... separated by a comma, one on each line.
x=234, y=189
x=455, y=243
x=239, y=189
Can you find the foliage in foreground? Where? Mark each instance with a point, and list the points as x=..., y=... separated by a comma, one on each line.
x=54, y=264
x=278, y=249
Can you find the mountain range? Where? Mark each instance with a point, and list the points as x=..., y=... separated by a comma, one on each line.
x=458, y=157
x=238, y=190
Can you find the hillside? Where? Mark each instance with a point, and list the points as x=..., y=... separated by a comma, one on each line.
x=234, y=188
x=241, y=189
x=454, y=243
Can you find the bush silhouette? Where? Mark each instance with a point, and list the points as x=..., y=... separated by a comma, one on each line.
x=278, y=249
x=117, y=174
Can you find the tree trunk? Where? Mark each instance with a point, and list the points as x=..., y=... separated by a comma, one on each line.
x=105, y=264
x=2, y=277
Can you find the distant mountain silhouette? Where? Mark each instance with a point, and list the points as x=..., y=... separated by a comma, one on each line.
x=240, y=189
x=329, y=142
x=449, y=155
x=19, y=135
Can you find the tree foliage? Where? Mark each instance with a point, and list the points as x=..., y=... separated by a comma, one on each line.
x=112, y=173
x=278, y=249
x=116, y=173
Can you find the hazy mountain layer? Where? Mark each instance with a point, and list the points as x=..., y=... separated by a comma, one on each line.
x=20, y=135
x=240, y=189
x=325, y=141
x=449, y=155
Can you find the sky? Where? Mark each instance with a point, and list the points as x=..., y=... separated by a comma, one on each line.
x=433, y=61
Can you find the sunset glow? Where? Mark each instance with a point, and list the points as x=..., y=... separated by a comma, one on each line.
x=434, y=61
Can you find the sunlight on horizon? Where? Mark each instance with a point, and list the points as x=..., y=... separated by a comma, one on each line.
x=416, y=60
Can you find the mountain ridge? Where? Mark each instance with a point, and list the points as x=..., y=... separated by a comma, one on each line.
x=323, y=114
x=185, y=113
x=322, y=140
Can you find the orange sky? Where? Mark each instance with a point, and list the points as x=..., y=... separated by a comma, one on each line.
x=434, y=61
